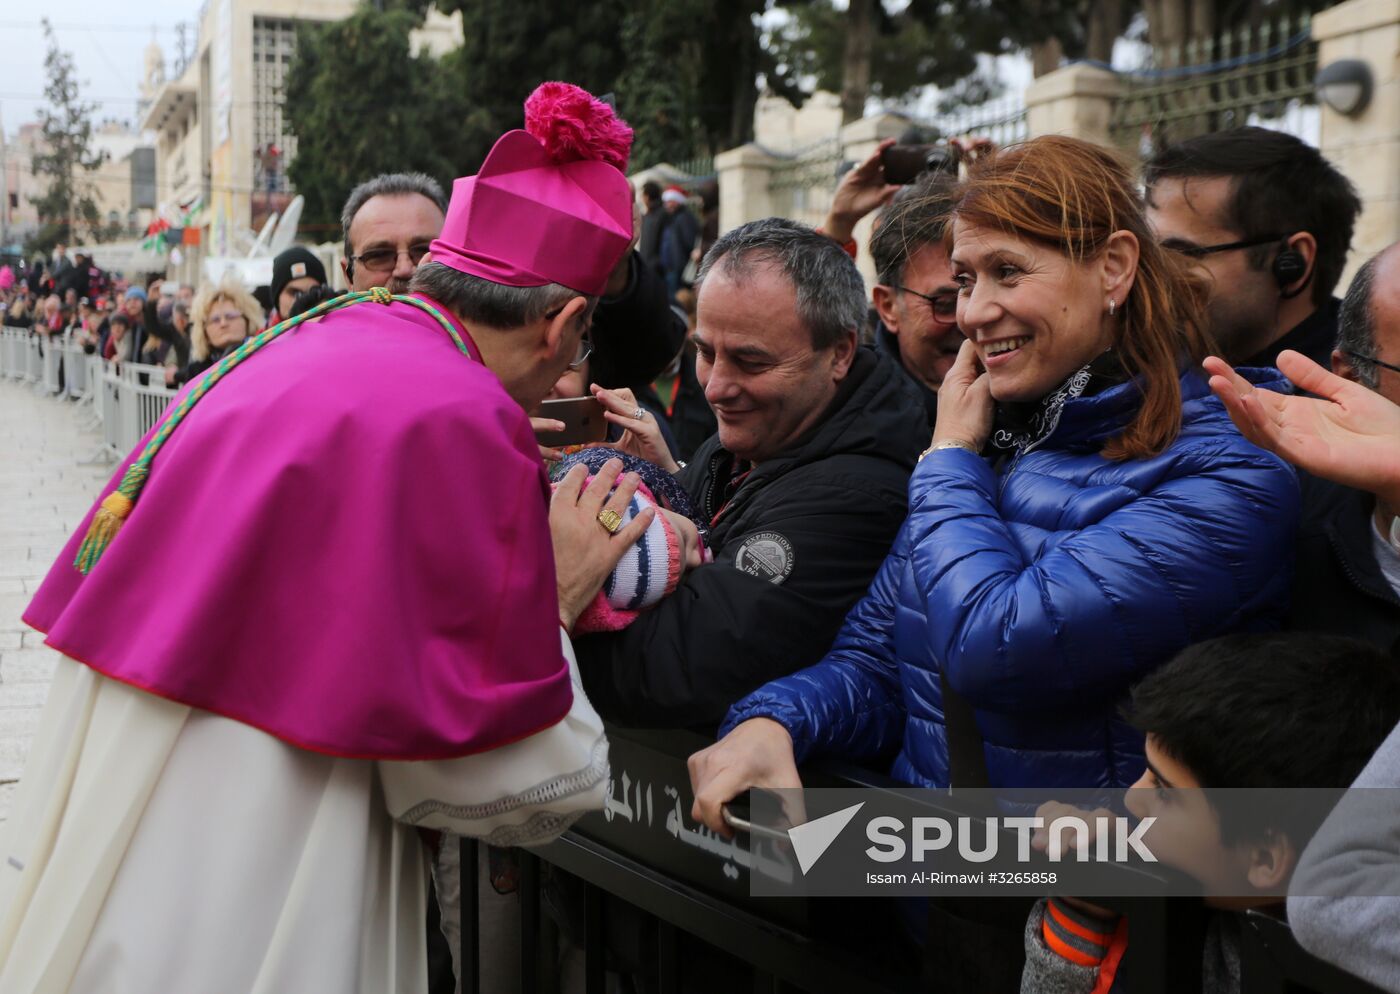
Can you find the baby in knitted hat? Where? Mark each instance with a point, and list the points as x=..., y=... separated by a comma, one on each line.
x=652, y=567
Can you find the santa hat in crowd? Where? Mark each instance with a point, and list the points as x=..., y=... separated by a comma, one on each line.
x=551, y=203
x=673, y=195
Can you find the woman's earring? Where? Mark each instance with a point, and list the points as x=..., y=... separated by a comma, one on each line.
x=1112, y=306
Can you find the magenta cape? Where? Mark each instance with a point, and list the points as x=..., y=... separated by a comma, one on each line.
x=346, y=544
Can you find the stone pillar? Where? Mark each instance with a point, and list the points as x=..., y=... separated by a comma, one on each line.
x=1076, y=101
x=859, y=139
x=1366, y=147
x=744, y=176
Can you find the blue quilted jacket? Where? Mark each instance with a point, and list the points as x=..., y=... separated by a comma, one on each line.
x=1045, y=588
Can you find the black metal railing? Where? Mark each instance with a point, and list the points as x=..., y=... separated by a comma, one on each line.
x=678, y=890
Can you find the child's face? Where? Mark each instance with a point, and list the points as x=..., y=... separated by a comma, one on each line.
x=1186, y=837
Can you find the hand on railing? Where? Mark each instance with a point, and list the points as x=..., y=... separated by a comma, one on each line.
x=757, y=753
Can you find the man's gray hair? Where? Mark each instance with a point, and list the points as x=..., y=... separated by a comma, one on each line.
x=1356, y=325
x=830, y=291
x=479, y=301
x=388, y=185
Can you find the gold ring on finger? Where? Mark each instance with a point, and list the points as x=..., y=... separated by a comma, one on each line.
x=610, y=520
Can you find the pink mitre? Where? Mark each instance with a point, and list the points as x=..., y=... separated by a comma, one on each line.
x=551, y=203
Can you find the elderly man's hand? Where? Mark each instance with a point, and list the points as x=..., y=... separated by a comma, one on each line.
x=585, y=552
x=861, y=191
x=1346, y=433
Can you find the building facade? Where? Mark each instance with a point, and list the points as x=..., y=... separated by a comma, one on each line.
x=222, y=143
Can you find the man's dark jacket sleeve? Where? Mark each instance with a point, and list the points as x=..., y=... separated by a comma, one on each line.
x=635, y=334
x=725, y=632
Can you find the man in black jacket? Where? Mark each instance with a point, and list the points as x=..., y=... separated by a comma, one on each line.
x=1347, y=579
x=804, y=484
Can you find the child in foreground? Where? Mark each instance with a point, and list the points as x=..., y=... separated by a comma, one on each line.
x=1276, y=712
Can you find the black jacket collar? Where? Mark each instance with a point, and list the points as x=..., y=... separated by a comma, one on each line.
x=1315, y=336
x=887, y=342
x=1344, y=516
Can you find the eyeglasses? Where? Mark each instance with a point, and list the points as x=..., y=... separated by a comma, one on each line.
x=226, y=318
x=382, y=260
x=943, y=305
x=1201, y=251
x=1370, y=358
x=585, y=349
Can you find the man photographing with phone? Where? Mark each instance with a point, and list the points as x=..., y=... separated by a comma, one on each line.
x=915, y=301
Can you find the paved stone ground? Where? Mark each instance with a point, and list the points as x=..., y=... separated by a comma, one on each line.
x=44, y=492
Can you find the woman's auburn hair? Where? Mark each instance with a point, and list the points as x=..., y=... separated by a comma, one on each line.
x=229, y=288
x=1072, y=195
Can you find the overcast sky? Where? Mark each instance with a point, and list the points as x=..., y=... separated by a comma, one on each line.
x=107, y=41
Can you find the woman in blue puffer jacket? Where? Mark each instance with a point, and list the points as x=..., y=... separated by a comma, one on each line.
x=1086, y=509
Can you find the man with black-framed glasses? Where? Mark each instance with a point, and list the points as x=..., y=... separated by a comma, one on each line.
x=1270, y=221
x=914, y=294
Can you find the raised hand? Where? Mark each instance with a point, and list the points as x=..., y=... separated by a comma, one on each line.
x=1346, y=433
x=642, y=437
x=965, y=405
x=860, y=191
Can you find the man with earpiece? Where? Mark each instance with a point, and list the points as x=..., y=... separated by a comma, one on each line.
x=1270, y=220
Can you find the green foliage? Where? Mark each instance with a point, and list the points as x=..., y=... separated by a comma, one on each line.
x=68, y=210
x=689, y=83
x=510, y=47
x=360, y=104
x=928, y=42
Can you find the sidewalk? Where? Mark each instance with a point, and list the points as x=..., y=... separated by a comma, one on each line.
x=44, y=493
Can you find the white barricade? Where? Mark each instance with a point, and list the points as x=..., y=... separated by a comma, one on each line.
x=94, y=367
x=141, y=406
x=75, y=365
x=144, y=373
x=107, y=399
x=14, y=347
x=51, y=380
x=34, y=361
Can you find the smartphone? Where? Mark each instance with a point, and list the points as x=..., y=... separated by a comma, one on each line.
x=583, y=421
x=905, y=163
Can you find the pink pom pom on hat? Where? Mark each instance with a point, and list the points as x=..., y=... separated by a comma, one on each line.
x=551, y=203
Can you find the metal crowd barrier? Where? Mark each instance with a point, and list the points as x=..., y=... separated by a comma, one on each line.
x=140, y=406
x=127, y=399
x=14, y=349
x=680, y=900
x=34, y=361
x=51, y=380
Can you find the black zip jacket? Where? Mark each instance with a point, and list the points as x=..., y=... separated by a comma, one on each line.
x=1338, y=586
x=635, y=334
x=796, y=543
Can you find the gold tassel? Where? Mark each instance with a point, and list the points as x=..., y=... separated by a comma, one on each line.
x=108, y=520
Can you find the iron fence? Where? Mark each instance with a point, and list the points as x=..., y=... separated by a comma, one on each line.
x=1259, y=73
x=1002, y=119
x=802, y=185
